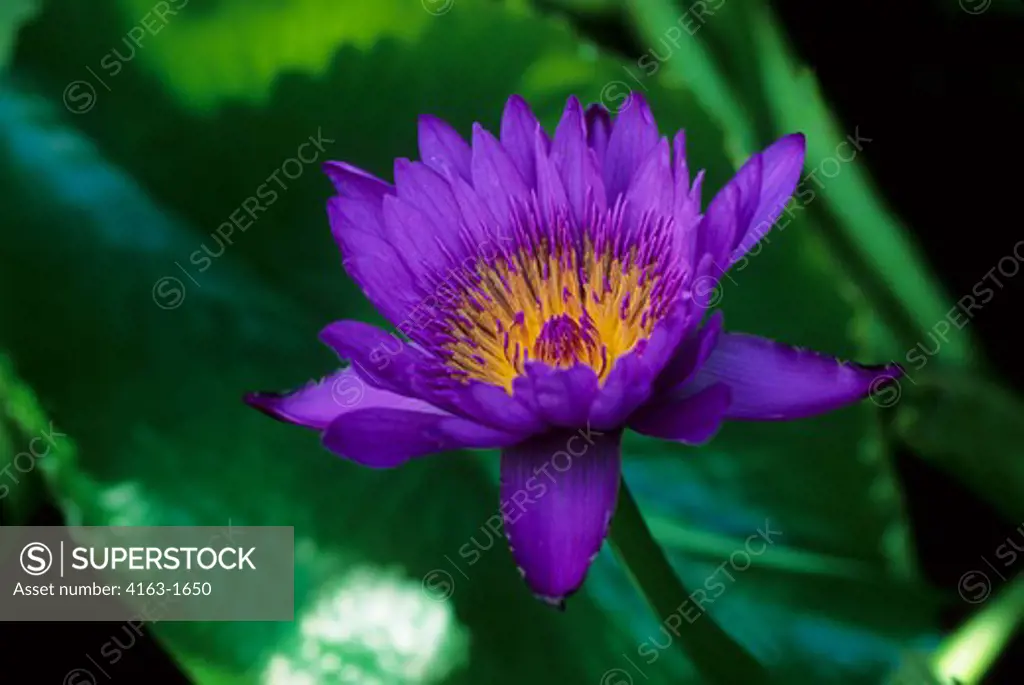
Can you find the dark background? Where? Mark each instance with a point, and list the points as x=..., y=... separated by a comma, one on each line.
x=930, y=83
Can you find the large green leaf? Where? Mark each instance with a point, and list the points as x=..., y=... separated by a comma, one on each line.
x=155, y=408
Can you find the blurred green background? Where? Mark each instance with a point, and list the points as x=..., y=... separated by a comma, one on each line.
x=131, y=130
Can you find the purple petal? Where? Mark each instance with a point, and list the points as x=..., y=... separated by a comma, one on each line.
x=442, y=148
x=495, y=177
x=558, y=494
x=685, y=200
x=320, y=402
x=631, y=380
x=491, y=405
x=519, y=127
x=775, y=382
x=355, y=183
x=371, y=261
x=385, y=437
x=651, y=190
x=561, y=397
x=781, y=165
x=692, y=420
x=691, y=354
x=476, y=216
x=576, y=163
x=625, y=388
x=633, y=135
x=432, y=195
x=551, y=196
x=730, y=213
x=762, y=186
x=599, y=129
x=414, y=237
x=381, y=357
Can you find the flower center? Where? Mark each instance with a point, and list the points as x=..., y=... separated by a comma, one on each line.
x=560, y=301
x=563, y=341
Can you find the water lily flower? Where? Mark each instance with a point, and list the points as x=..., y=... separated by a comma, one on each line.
x=552, y=292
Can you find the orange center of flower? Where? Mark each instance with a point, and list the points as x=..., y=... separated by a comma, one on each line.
x=559, y=306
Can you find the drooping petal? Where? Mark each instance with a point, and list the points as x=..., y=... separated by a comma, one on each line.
x=320, y=402
x=519, y=127
x=442, y=148
x=558, y=494
x=775, y=382
x=385, y=437
x=692, y=420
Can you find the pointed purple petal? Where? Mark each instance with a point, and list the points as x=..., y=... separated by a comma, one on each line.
x=633, y=135
x=355, y=183
x=576, y=162
x=554, y=203
x=691, y=420
x=442, y=148
x=730, y=213
x=782, y=163
x=775, y=382
x=558, y=494
x=320, y=402
x=519, y=127
x=496, y=179
x=685, y=200
x=432, y=195
x=651, y=190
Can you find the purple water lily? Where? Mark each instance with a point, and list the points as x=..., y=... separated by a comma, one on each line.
x=551, y=293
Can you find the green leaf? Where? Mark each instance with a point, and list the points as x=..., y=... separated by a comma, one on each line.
x=971, y=428
x=12, y=14
x=28, y=441
x=235, y=49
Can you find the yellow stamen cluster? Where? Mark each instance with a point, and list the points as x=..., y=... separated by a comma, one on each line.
x=561, y=307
